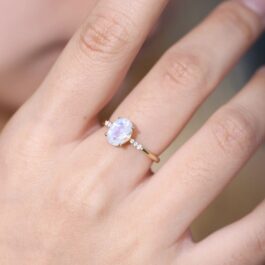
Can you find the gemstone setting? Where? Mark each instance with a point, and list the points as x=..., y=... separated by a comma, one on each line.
x=119, y=132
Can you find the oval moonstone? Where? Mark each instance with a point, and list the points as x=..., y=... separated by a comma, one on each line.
x=120, y=132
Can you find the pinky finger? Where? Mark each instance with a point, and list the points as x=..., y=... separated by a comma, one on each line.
x=241, y=243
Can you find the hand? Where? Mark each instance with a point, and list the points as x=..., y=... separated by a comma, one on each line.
x=68, y=197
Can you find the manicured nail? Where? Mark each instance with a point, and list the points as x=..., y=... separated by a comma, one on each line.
x=258, y=6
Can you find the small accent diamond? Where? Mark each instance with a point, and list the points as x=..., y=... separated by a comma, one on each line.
x=107, y=124
x=139, y=147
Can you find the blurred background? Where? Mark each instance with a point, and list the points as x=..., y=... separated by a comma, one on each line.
x=248, y=188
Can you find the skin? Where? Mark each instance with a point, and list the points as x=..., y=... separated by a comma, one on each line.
x=28, y=51
x=67, y=196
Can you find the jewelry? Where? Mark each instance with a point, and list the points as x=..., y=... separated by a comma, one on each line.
x=121, y=132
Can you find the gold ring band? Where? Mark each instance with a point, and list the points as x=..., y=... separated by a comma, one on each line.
x=152, y=156
x=120, y=132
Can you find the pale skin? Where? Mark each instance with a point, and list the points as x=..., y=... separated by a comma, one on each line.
x=68, y=197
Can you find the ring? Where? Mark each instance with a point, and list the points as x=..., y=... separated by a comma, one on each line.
x=120, y=132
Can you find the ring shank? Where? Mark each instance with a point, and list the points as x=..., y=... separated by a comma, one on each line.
x=152, y=156
x=149, y=154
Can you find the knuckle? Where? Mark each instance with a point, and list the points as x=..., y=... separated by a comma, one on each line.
x=198, y=171
x=106, y=35
x=184, y=70
x=93, y=204
x=237, y=19
x=86, y=196
x=234, y=130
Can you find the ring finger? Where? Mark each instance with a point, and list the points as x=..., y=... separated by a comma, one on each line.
x=90, y=68
x=165, y=100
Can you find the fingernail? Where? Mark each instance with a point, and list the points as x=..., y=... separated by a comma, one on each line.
x=258, y=6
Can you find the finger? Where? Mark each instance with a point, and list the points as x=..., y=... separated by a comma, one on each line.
x=92, y=65
x=240, y=243
x=188, y=73
x=165, y=100
x=199, y=171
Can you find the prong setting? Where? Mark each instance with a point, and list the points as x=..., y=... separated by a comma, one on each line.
x=121, y=132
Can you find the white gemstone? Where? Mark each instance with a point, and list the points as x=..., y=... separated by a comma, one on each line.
x=107, y=124
x=139, y=147
x=120, y=132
